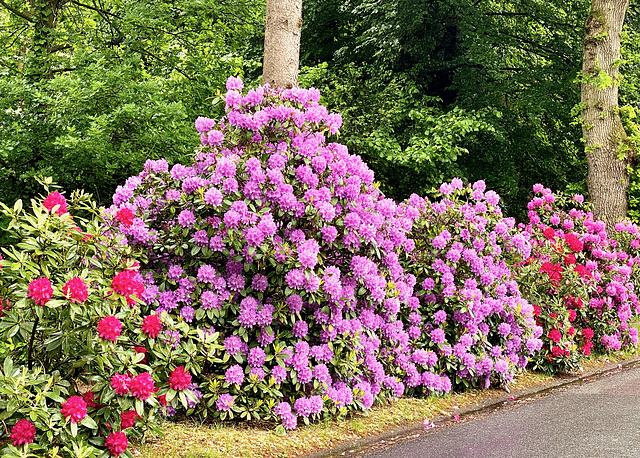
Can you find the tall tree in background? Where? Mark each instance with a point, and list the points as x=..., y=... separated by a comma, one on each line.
x=282, y=43
x=607, y=147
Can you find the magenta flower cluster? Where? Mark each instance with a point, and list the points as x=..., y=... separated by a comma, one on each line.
x=470, y=319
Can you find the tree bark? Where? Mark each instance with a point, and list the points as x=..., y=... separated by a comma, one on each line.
x=607, y=148
x=282, y=43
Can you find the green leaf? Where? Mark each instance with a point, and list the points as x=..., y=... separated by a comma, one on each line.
x=89, y=423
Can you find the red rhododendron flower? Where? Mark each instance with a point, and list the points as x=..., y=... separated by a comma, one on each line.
x=76, y=290
x=537, y=310
x=555, y=335
x=109, y=328
x=582, y=271
x=179, y=379
x=126, y=283
x=88, y=398
x=120, y=383
x=587, y=333
x=125, y=216
x=162, y=399
x=74, y=409
x=40, y=290
x=53, y=199
x=557, y=351
x=574, y=242
x=571, y=331
x=4, y=305
x=117, y=443
x=586, y=348
x=23, y=432
x=553, y=270
x=152, y=325
x=128, y=419
x=549, y=233
x=570, y=259
x=572, y=315
x=141, y=386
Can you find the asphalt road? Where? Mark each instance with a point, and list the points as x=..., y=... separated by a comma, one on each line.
x=597, y=418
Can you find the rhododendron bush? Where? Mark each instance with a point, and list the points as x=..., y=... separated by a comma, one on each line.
x=579, y=279
x=279, y=241
x=71, y=330
x=305, y=281
x=470, y=320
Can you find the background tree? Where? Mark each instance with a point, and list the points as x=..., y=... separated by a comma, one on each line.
x=282, y=43
x=607, y=146
x=432, y=90
x=90, y=89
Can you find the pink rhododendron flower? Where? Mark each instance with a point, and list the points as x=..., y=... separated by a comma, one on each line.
x=125, y=216
x=117, y=443
x=128, y=419
x=53, y=199
x=179, y=379
x=23, y=432
x=74, y=409
x=142, y=386
x=40, y=290
x=120, y=383
x=109, y=328
x=126, y=284
x=151, y=325
x=76, y=290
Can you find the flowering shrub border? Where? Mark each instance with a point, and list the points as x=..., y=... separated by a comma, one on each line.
x=271, y=279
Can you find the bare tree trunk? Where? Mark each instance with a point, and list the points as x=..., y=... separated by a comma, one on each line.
x=607, y=148
x=282, y=43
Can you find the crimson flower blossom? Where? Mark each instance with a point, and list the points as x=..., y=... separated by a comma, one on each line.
x=126, y=284
x=23, y=432
x=117, y=443
x=120, y=383
x=76, y=290
x=128, y=419
x=573, y=242
x=109, y=328
x=40, y=290
x=74, y=409
x=555, y=335
x=142, y=386
x=53, y=199
x=553, y=270
x=179, y=379
x=125, y=216
x=151, y=325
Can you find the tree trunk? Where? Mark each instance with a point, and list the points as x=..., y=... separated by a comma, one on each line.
x=282, y=43
x=607, y=148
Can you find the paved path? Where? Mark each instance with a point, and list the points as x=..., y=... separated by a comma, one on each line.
x=599, y=418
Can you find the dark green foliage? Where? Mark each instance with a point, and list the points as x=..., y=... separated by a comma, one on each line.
x=434, y=89
x=91, y=93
